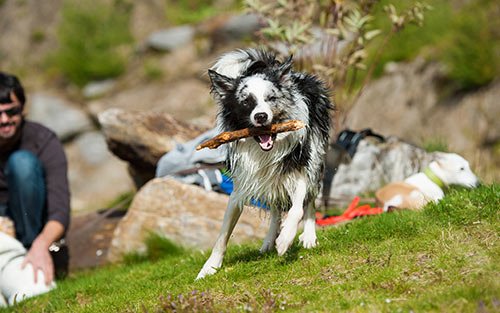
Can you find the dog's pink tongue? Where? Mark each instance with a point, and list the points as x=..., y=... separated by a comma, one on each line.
x=266, y=142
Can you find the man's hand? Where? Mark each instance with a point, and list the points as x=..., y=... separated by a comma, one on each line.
x=39, y=258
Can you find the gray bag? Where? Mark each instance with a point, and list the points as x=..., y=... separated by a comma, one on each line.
x=186, y=164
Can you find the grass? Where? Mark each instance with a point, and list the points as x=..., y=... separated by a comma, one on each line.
x=445, y=258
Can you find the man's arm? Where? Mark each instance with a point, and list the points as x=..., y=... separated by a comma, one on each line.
x=38, y=255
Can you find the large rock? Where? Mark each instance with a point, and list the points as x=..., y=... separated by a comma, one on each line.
x=184, y=98
x=185, y=214
x=171, y=38
x=143, y=138
x=65, y=119
x=96, y=177
x=399, y=103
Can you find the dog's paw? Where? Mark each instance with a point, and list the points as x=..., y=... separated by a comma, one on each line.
x=267, y=246
x=206, y=271
x=308, y=240
x=285, y=239
x=211, y=266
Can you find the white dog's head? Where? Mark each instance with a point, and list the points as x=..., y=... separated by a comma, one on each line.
x=452, y=169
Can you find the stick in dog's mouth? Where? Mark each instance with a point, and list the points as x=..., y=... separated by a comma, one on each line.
x=265, y=136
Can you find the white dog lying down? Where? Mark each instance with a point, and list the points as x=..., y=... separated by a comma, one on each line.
x=424, y=187
x=17, y=284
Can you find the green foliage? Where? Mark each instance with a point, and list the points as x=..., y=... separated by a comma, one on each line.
x=436, y=144
x=409, y=42
x=474, y=47
x=347, y=31
x=445, y=258
x=38, y=36
x=93, y=37
x=466, y=39
x=123, y=200
x=153, y=70
x=189, y=11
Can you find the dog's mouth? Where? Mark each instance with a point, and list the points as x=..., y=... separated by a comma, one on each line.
x=266, y=142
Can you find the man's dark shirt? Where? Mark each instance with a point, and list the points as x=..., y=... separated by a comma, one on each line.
x=44, y=144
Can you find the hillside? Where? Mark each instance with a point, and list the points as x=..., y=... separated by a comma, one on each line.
x=442, y=259
x=64, y=51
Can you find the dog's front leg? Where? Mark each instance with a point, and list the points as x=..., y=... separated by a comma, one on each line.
x=272, y=233
x=295, y=214
x=231, y=216
x=308, y=236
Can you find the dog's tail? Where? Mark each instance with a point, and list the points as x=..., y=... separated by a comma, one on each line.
x=235, y=63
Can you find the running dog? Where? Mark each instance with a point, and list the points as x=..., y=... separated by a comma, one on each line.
x=421, y=188
x=254, y=89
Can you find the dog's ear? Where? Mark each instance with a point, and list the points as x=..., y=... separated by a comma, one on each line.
x=285, y=67
x=255, y=67
x=221, y=84
x=442, y=159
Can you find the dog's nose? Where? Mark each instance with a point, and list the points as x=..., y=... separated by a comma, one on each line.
x=260, y=118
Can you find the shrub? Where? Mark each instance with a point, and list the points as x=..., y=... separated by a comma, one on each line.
x=92, y=37
x=465, y=38
x=409, y=43
x=189, y=11
x=472, y=55
x=435, y=144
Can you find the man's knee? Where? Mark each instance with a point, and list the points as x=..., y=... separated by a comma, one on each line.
x=23, y=165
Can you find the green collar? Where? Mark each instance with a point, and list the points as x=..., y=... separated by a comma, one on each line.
x=430, y=174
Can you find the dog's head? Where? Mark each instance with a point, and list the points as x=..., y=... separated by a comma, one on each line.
x=453, y=169
x=262, y=95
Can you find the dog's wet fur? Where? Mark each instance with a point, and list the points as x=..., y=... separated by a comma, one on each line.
x=255, y=89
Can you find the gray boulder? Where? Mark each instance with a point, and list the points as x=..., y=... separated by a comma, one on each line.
x=240, y=26
x=172, y=38
x=98, y=88
x=64, y=119
x=142, y=138
x=96, y=177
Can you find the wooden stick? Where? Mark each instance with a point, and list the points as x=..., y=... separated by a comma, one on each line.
x=227, y=137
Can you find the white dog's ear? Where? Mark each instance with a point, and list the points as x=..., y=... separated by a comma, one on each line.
x=221, y=84
x=441, y=159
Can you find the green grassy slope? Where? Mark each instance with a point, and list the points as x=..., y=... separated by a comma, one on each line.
x=445, y=258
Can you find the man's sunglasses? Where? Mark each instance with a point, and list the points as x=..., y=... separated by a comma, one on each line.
x=12, y=111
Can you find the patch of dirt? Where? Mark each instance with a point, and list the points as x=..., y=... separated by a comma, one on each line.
x=89, y=238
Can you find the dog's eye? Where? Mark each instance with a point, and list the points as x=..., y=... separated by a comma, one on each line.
x=462, y=168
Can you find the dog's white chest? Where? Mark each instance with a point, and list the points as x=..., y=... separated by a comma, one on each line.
x=429, y=189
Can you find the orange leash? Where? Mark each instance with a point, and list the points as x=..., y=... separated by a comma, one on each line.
x=352, y=211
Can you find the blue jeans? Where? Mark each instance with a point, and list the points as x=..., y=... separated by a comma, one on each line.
x=26, y=186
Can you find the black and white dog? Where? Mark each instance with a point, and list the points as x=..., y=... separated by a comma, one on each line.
x=254, y=89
